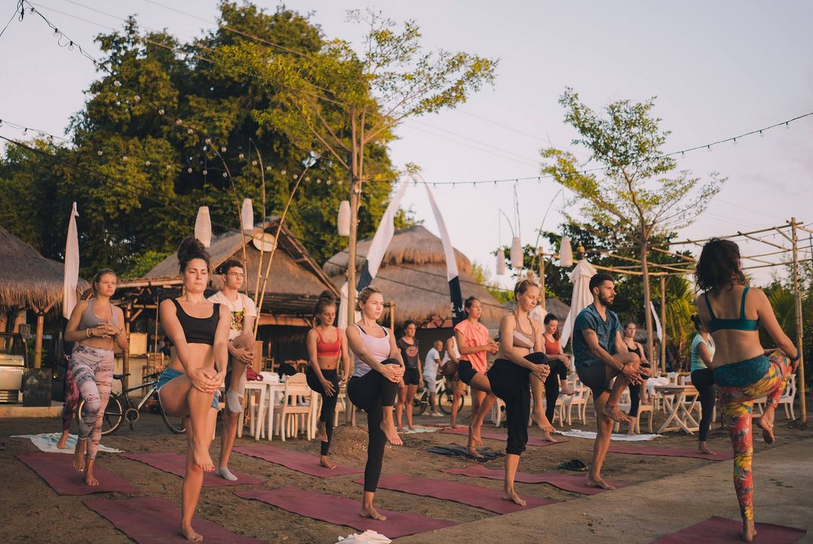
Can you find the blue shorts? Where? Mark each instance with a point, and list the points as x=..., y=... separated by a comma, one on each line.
x=170, y=374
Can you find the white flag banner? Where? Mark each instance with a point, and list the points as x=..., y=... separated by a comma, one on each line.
x=381, y=240
x=658, y=329
x=71, y=272
x=451, y=261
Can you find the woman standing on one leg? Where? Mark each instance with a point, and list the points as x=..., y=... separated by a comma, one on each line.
x=703, y=379
x=449, y=369
x=559, y=365
x=199, y=330
x=742, y=370
x=413, y=375
x=474, y=343
x=96, y=327
x=373, y=387
x=508, y=378
x=638, y=393
x=327, y=346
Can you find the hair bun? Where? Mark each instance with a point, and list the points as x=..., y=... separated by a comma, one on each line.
x=327, y=295
x=191, y=248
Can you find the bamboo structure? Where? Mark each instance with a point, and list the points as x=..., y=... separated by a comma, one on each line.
x=799, y=328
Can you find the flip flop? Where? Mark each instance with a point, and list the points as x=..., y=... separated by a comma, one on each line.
x=576, y=465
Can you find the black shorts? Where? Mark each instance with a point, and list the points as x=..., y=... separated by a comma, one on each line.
x=412, y=376
x=594, y=377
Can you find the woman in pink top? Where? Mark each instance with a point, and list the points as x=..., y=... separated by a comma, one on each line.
x=473, y=343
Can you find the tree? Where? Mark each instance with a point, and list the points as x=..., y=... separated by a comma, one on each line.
x=345, y=105
x=637, y=193
x=482, y=275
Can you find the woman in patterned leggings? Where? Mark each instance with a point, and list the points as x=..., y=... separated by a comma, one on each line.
x=743, y=371
x=96, y=326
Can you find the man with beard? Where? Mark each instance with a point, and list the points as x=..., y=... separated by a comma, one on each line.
x=600, y=357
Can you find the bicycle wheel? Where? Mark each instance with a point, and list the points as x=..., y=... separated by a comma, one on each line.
x=113, y=414
x=175, y=424
x=444, y=399
x=419, y=402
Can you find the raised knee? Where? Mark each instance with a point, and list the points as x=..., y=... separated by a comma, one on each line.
x=92, y=407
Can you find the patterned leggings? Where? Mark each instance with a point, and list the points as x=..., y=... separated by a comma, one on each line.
x=93, y=373
x=71, y=399
x=737, y=404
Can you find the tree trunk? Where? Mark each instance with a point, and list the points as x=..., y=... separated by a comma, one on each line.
x=647, y=298
x=355, y=186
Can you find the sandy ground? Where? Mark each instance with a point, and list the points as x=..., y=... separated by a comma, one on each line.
x=30, y=511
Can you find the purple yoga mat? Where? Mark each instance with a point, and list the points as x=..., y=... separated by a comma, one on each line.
x=717, y=530
x=449, y=490
x=343, y=511
x=294, y=460
x=669, y=452
x=58, y=472
x=568, y=482
x=176, y=464
x=152, y=520
x=501, y=436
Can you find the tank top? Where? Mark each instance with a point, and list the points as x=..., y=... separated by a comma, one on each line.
x=90, y=320
x=328, y=349
x=409, y=352
x=636, y=351
x=521, y=338
x=198, y=330
x=552, y=348
x=378, y=348
x=739, y=324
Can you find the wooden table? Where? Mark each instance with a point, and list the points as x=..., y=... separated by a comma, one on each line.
x=679, y=415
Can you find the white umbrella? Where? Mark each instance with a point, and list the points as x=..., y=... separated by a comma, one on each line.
x=581, y=299
x=71, y=278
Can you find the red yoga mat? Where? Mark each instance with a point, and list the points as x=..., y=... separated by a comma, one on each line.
x=501, y=436
x=449, y=490
x=294, y=460
x=669, y=452
x=152, y=520
x=568, y=482
x=343, y=511
x=176, y=464
x=58, y=472
x=717, y=530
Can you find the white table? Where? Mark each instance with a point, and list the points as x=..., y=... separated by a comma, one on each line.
x=679, y=415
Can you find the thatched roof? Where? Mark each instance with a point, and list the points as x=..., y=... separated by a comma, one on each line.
x=27, y=279
x=413, y=276
x=552, y=306
x=294, y=283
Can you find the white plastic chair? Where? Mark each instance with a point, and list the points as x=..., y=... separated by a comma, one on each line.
x=788, y=397
x=580, y=399
x=255, y=396
x=626, y=404
x=296, y=389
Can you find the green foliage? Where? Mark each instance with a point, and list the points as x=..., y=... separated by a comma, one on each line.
x=144, y=263
x=783, y=303
x=482, y=276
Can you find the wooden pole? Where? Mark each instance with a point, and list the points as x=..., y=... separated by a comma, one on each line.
x=125, y=357
x=392, y=317
x=355, y=186
x=38, y=340
x=155, y=339
x=799, y=328
x=542, y=280
x=663, y=324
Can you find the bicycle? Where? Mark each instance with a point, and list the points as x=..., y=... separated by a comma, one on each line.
x=120, y=407
x=443, y=398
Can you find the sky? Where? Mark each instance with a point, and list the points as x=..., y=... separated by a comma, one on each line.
x=718, y=69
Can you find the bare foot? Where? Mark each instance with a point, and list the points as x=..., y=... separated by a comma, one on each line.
x=190, y=534
x=473, y=452
x=543, y=423
x=392, y=435
x=399, y=429
x=598, y=483
x=568, y=391
x=325, y=463
x=474, y=434
x=454, y=425
x=511, y=495
x=370, y=512
x=63, y=440
x=411, y=427
x=203, y=459
x=645, y=401
x=701, y=447
x=749, y=532
x=615, y=414
x=549, y=437
x=322, y=431
x=79, y=455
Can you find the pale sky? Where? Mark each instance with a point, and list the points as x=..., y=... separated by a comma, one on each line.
x=719, y=69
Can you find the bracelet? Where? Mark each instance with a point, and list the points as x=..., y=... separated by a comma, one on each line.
x=88, y=333
x=798, y=356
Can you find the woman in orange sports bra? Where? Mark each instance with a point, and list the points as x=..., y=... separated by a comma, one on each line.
x=327, y=346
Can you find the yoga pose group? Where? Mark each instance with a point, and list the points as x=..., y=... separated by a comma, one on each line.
x=211, y=337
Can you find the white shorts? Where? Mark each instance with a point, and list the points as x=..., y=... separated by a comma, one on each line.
x=430, y=382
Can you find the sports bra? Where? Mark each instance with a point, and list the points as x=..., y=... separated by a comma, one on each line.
x=90, y=320
x=636, y=351
x=198, y=330
x=521, y=338
x=328, y=349
x=740, y=324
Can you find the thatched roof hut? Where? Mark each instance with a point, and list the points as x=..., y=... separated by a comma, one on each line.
x=27, y=279
x=413, y=276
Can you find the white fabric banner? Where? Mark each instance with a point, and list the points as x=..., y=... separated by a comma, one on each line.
x=71, y=271
x=581, y=299
x=658, y=329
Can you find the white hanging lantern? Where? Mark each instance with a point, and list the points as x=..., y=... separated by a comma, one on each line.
x=247, y=215
x=203, y=226
x=343, y=222
x=500, y=267
x=565, y=252
x=517, y=259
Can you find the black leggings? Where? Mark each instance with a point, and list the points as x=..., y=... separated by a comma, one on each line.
x=371, y=393
x=511, y=383
x=328, y=403
x=635, y=399
x=703, y=381
x=558, y=371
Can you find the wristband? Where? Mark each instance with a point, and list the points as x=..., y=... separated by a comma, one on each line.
x=798, y=356
x=88, y=333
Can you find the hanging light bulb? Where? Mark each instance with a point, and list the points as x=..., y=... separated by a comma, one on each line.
x=565, y=252
x=203, y=226
x=247, y=215
x=343, y=221
x=517, y=259
x=500, y=265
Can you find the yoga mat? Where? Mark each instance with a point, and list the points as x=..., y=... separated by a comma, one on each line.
x=449, y=490
x=670, y=452
x=48, y=441
x=456, y=450
x=568, y=482
x=153, y=520
x=498, y=435
x=716, y=530
x=176, y=464
x=294, y=460
x=344, y=511
x=615, y=437
x=58, y=472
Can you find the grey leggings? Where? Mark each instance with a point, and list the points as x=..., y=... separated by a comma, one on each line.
x=93, y=374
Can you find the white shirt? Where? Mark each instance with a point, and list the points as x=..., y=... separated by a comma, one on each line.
x=430, y=363
x=240, y=308
x=454, y=350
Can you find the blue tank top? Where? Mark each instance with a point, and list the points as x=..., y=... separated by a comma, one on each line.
x=739, y=324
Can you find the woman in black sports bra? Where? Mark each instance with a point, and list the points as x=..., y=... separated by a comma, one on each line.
x=199, y=331
x=638, y=393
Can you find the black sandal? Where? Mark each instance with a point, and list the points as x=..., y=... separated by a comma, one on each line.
x=576, y=465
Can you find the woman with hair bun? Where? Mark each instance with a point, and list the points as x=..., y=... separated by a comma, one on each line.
x=327, y=346
x=743, y=370
x=199, y=330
